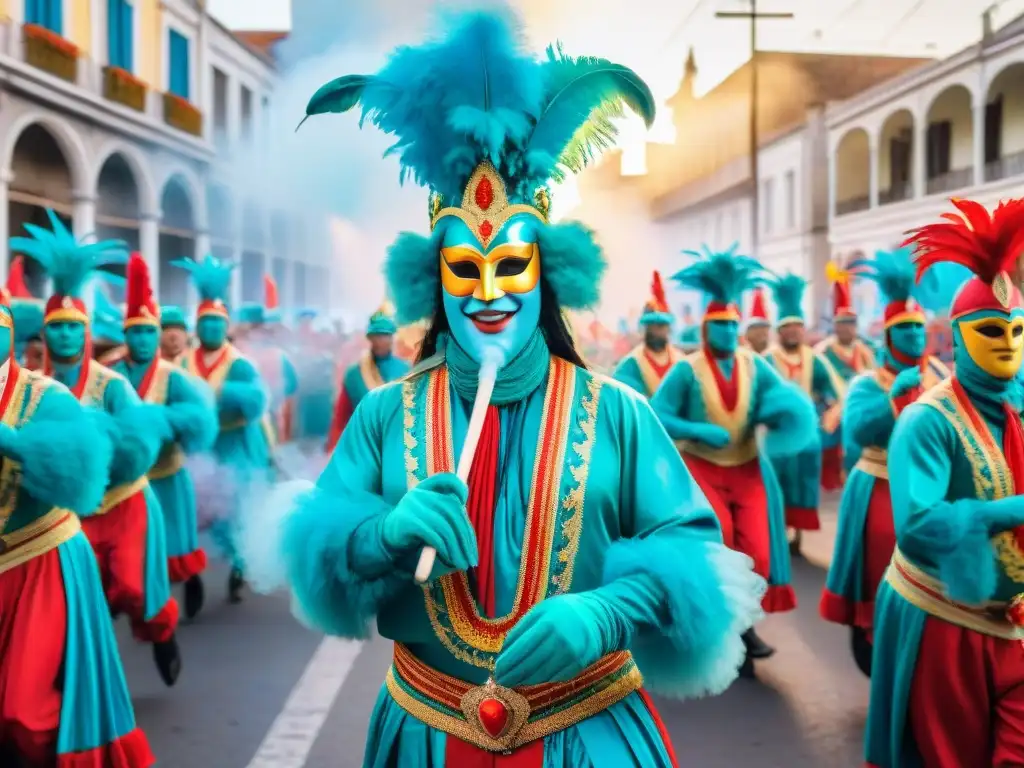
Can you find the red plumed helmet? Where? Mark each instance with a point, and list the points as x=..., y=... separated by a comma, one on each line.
x=758, y=312
x=270, y=296
x=140, y=305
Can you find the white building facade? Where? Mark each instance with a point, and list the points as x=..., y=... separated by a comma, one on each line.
x=136, y=127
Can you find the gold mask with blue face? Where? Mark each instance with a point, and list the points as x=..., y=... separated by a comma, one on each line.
x=490, y=267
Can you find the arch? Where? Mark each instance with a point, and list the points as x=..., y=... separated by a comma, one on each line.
x=71, y=145
x=896, y=157
x=140, y=171
x=118, y=201
x=853, y=172
x=178, y=211
x=949, y=150
x=1004, y=142
x=189, y=182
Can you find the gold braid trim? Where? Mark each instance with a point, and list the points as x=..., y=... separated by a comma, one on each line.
x=37, y=538
x=121, y=493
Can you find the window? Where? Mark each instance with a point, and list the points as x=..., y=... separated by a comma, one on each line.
x=46, y=13
x=220, y=107
x=900, y=154
x=120, y=34
x=246, y=114
x=180, y=75
x=994, y=130
x=768, y=205
x=790, y=199
x=939, y=146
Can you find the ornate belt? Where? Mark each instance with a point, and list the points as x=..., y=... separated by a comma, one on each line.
x=732, y=455
x=171, y=460
x=121, y=493
x=37, y=538
x=928, y=593
x=500, y=719
x=874, y=461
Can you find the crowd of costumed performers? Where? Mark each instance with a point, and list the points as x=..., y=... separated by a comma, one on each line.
x=644, y=368
x=533, y=635
x=712, y=402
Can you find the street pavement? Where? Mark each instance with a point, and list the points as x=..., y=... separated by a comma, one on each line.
x=259, y=691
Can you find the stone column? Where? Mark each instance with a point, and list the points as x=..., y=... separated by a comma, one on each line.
x=149, y=247
x=918, y=149
x=6, y=177
x=83, y=218
x=873, y=170
x=978, y=137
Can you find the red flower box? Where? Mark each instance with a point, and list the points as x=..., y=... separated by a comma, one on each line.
x=50, y=52
x=182, y=114
x=122, y=86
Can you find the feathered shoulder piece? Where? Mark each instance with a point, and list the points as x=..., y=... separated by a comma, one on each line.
x=892, y=271
x=988, y=244
x=212, y=279
x=723, y=276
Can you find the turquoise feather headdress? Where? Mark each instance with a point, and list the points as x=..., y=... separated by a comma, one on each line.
x=723, y=276
x=788, y=291
x=69, y=263
x=894, y=273
x=107, y=318
x=212, y=279
x=485, y=126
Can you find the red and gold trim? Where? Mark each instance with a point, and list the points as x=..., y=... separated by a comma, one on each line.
x=1001, y=295
x=716, y=310
x=146, y=316
x=789, y=320
x=212, y=308
x=65, y=309
x=908, y=311
x=37, y=538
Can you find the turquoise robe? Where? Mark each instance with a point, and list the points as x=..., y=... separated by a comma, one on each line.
x=616, y=469
x=192, y=414
x=315, y=396
x=800, y=475
x=942, y=470
x=635, y=370
x=63, y=461
x=243, y=449
x=135, y=448
x=842, y=365
x=359, y=380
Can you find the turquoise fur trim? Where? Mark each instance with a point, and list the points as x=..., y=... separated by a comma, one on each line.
x=792, y=417
x=652, y=318
x=723, y=276
x=249, y=399
x=107, y=319
x=191, y=413
x=413, y=271
x=571, y=263
x=710, y=596
x=172, y=317
x=210, y=276
x=142, y=431
x=788, y=291
x=28, y=319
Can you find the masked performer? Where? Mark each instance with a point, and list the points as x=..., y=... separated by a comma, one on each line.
x=947, y=669
x=244, y=444
x=866, y=537
x=519, y=642
x=845, y=356
x=376, y=366
x=173, y=334
x=800, y=474
x=645, y=367
x=757, y=333
x=126, y=529
x=189, y=410
x=315, y=397
x=28, y=314
x=712, y=402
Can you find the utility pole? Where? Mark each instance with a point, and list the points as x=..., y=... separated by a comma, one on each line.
x=753, y=17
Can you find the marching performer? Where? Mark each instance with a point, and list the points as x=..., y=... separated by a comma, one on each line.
x=314, y=401
x=28, y=314
x=712, y=402
x=126, y=529
x=244, y=443
x=189, y=410
x=65, y=699
x=376, y=367
x=947, y=665
x=173, y=334
x=521, y=595
x=800, y=474
x=757, y=332
x=865, y=538
x=106, y=331
x=645, y=367
x=845, y=356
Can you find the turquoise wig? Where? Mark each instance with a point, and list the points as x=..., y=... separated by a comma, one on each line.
x=722, y=276
x=211, y=277
x=475, y=96
x=172, y=317
x=893, y=272
x=788, y=291
x=107, y=318
x=68, y=262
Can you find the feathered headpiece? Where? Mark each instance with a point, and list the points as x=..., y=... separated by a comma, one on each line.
x=788, y=291
x=842, y=304
x=172, y=317
x=212, y=278
x=17, y=288
x=485, y=127
x=723, y=276
x=382, y=321
x=26, y=309
x=69, y=263
x=988, y=244
x=108, y=322
x=141, y=306
x=271, y=300
x=758, y=312
x=656, y=309
x=893, y=272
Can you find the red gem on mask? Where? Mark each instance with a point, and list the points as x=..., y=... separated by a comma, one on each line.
x=486, y=229
x=484, y=193
x=493, y=717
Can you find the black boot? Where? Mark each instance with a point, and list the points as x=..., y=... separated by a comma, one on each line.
x=235, y=584
x=168, y=660
x=862, y=649
x=756, y=647
x=794, y=545
x=195, y=594
x=747, y=668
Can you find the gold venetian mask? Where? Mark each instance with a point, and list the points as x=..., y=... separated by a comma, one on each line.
x=995, y=344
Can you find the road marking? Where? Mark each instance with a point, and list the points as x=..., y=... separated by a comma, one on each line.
x=292, y=734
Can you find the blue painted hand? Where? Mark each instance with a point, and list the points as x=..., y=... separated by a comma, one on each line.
x=905, y=381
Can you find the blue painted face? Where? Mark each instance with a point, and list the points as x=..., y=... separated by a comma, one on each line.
x=212, y=331
x=65, y=340
x=723, y=336
x=491, y=295
x=6, y=342
x=909, y=339
x=143, y=342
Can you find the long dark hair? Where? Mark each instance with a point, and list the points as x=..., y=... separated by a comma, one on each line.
x=552, y=325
